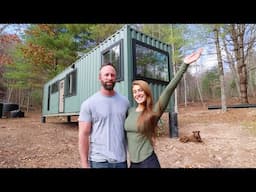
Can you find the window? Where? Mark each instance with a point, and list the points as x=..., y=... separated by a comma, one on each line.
x=54, y=87
x=48, y=98
x=71, y=83
x=114, y=55
x=150, y=63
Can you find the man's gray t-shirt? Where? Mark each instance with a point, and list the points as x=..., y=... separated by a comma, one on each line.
x=107, y=115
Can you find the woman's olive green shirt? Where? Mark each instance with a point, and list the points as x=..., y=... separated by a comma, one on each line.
x=139, y=147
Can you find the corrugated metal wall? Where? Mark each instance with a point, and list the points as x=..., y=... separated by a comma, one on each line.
x=156, y=88
x=87, y=77
x=88, y=69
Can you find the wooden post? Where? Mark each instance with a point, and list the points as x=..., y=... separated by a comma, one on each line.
x=173, y=124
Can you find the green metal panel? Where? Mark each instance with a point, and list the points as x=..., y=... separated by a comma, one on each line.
x=54, y=98
x=87, y=78
x=156, y=88
x=88, y=69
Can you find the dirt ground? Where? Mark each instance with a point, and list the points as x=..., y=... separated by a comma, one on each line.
x=229, y=140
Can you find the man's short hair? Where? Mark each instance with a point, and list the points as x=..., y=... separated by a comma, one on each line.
x=107, y=64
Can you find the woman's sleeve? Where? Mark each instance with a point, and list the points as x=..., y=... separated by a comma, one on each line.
x=165, y=96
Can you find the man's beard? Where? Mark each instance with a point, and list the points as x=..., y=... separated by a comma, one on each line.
x=108, y=87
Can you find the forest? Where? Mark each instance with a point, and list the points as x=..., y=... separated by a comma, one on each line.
x=32, y=54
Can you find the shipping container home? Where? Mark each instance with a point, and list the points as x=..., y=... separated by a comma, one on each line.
x=135, y=55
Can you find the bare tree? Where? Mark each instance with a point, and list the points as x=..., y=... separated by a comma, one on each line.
x=237, y=32
x=216, y=31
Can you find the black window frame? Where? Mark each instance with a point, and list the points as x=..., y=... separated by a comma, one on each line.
x=55, y=87
x=120, y=67
x=48, y=97
x=135, y=76
x=74, y=84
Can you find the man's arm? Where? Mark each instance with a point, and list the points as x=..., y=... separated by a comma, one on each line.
x=83, y=143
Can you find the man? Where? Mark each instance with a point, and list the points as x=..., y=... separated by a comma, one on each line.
x=102, y=141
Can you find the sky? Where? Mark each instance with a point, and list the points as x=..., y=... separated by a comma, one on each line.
x=15, y=28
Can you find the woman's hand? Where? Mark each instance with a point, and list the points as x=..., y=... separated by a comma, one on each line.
x=193, y=57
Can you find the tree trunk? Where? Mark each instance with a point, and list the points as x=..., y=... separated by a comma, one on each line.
x=9, y=94
x=198, y=89
x=185, y=90
x=174, y=72
x=237, y=33
x=232, y=67
x=220, y=67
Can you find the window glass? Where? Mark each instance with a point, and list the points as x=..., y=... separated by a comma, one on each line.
x=151, y=63
x=71, y=83
x=113, y=55
x=55, y=88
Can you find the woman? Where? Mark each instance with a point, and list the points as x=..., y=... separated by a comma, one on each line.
x=141, y=122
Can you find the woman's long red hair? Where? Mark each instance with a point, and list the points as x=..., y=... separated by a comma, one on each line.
x=147, y=121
